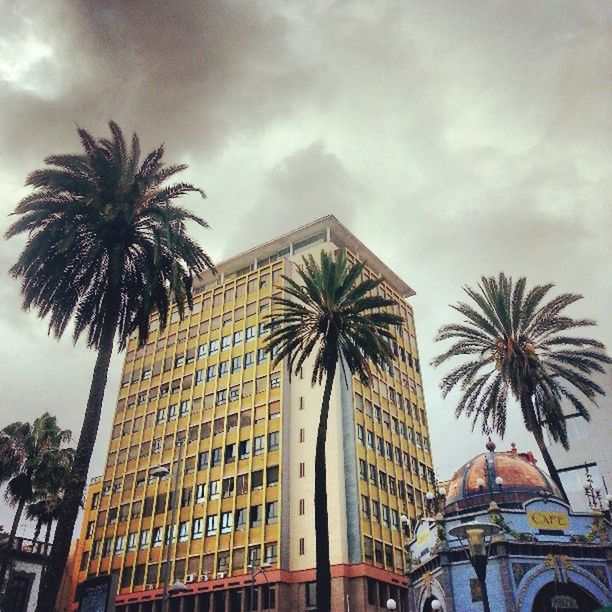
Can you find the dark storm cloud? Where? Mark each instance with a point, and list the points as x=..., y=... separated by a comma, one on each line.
x=454, y=139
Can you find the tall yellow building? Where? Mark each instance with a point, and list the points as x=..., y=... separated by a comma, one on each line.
x=204, y=391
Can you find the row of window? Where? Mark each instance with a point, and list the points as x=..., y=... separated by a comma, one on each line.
x=375, y=412
x=392, y=453
x=203, y=431
x=380, y=513
x=203, y=350
x=225, y=522
x=193, y=380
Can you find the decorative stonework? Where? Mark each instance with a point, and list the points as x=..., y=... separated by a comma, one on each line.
x=519, y=570
x=599, y=571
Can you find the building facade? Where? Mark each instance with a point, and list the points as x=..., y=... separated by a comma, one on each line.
x=237, y=437
x=545, y=557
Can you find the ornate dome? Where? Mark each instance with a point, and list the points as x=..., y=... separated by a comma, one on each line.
x=508, y=478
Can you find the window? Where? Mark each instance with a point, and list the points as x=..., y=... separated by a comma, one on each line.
x=184, y=409
x=196, y=530
x=365, y=505
x=131, y=541
x=223, y=368
x=230, y=453
x=213, y=347
x=161, y=415
x=203, y=460
x=272, y=475
x=221, y=397
x=144, y=539
x=258, y=445
x=183, y=531
x=237, y=337
x=211, y=524
x=382, y=480
x=301, y=507
x=302, y=469
x=370, y=438
x=271, y=512
x=394, y=519
x=240, y=519
x=392, y=488
x=172, y=412
x=363, y=470
x=226, y=342
x=157, y=537
x=373, y=478
x=385, y=515
x=106, y=547
x=301, y=546
x=213, y=489
x=380, y=446
x=201, y=351
x=272, y=441
x=360, y=433
x=270, y=553
x=200, y=493
x=250, y=333
x=226, y=522
x=211, y=372
x=389, y=450
x=243, y=449
x=311, y=594
x=216, y=457
x=255, y=516
x=262, y=355
x=227, y=489
x=274, y=381
x=375, y=510
x=236, y=364
x=242, y=484
x=257, y=479
x=249, y=359
x=302, y=434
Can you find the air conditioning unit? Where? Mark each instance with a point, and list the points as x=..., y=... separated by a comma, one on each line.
x=220, y=575
x=204, y=577
x=190, y=578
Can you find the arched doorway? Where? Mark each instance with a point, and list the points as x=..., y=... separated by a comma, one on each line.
x=564, y=597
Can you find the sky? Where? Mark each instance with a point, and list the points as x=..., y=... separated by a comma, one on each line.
x=455, y=139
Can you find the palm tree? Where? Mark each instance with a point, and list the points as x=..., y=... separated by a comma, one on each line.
x=515, y=344
x=26, y=450
x=334, y=316
x=106, y=246
x=49, y=487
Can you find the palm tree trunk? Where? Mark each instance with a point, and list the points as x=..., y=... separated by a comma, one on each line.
x=77, y=480
x=550, y=465
x=48, y=533
x=536, y=429
x=16, y=519
x=320, y=502
x=37, y=531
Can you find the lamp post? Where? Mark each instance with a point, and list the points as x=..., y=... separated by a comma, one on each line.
x=161, y=472
x=254, y=574
x=476, y=535
x=391, y=604
x=435, y=605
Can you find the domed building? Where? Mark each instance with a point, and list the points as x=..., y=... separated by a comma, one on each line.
x=511, y=478
x=500, y=537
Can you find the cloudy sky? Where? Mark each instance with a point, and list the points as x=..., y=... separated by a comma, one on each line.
x=455, y=139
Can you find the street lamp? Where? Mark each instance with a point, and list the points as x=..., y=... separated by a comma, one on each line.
x=262, y=570
x=391, y=604
x=435, y=605
x=476, y=535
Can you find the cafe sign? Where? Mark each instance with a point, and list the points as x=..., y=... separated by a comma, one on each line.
x=553, y=521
